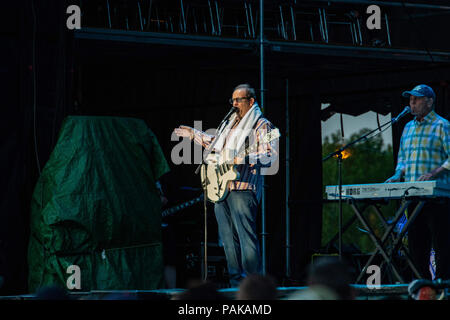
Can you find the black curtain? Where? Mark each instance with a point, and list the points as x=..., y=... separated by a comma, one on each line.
x=34, y=73
x=306, y=183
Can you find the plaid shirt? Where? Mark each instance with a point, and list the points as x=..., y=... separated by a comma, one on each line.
x=250, y=177
x=425, y=146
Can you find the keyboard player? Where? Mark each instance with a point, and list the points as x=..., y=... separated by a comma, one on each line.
x=424, y=154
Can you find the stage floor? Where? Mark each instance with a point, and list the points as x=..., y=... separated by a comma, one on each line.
x=384, y=292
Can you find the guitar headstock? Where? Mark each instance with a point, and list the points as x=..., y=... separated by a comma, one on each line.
x=268, y=137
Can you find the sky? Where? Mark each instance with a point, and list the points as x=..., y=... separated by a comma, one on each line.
x=354, y=124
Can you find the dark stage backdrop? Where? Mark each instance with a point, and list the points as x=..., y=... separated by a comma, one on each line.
x=167, y=92
x=15, y=124
x=33, y=75
x=46, y=75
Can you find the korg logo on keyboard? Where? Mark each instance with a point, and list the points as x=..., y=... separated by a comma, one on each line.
x=352, y=191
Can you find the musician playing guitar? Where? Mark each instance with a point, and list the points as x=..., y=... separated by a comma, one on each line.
x=236, y=213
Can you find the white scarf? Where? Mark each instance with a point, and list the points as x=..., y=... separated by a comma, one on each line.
x=243, y=130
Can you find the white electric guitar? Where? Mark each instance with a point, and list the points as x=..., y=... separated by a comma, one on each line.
x=220, y=173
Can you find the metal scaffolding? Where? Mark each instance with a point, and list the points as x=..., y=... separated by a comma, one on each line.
x=338, y=22
x=321, y=27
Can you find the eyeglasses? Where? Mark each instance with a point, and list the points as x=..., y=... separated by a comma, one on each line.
x=231, y=100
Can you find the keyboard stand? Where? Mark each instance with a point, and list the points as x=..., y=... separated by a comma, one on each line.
x=344, y=228
x=402, y=249
x=396, y=241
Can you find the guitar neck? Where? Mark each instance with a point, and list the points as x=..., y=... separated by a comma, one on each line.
x=248, y=150
x=270, y=136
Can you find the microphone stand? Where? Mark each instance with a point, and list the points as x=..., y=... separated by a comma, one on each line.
x=338, y=154
x=208, y=151
x=205, y=192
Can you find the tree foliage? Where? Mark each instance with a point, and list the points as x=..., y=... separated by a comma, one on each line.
x=369, y=162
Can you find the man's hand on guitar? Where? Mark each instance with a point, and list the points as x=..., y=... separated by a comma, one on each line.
x=239, y=160
x=185, y=132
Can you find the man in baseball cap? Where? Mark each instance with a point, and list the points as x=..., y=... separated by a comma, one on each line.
x=422, y=90
x=421, y=100
x=424, y=154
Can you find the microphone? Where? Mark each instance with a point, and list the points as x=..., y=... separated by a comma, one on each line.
x=219, y=130
x=232, y=110
x=225, y=120
x=402, y=114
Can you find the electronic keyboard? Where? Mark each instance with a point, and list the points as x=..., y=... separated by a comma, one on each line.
x=395, y=190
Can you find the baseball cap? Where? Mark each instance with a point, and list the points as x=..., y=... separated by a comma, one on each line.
x=422, y=90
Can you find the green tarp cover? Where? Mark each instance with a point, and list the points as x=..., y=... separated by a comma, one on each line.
x=96, y=206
